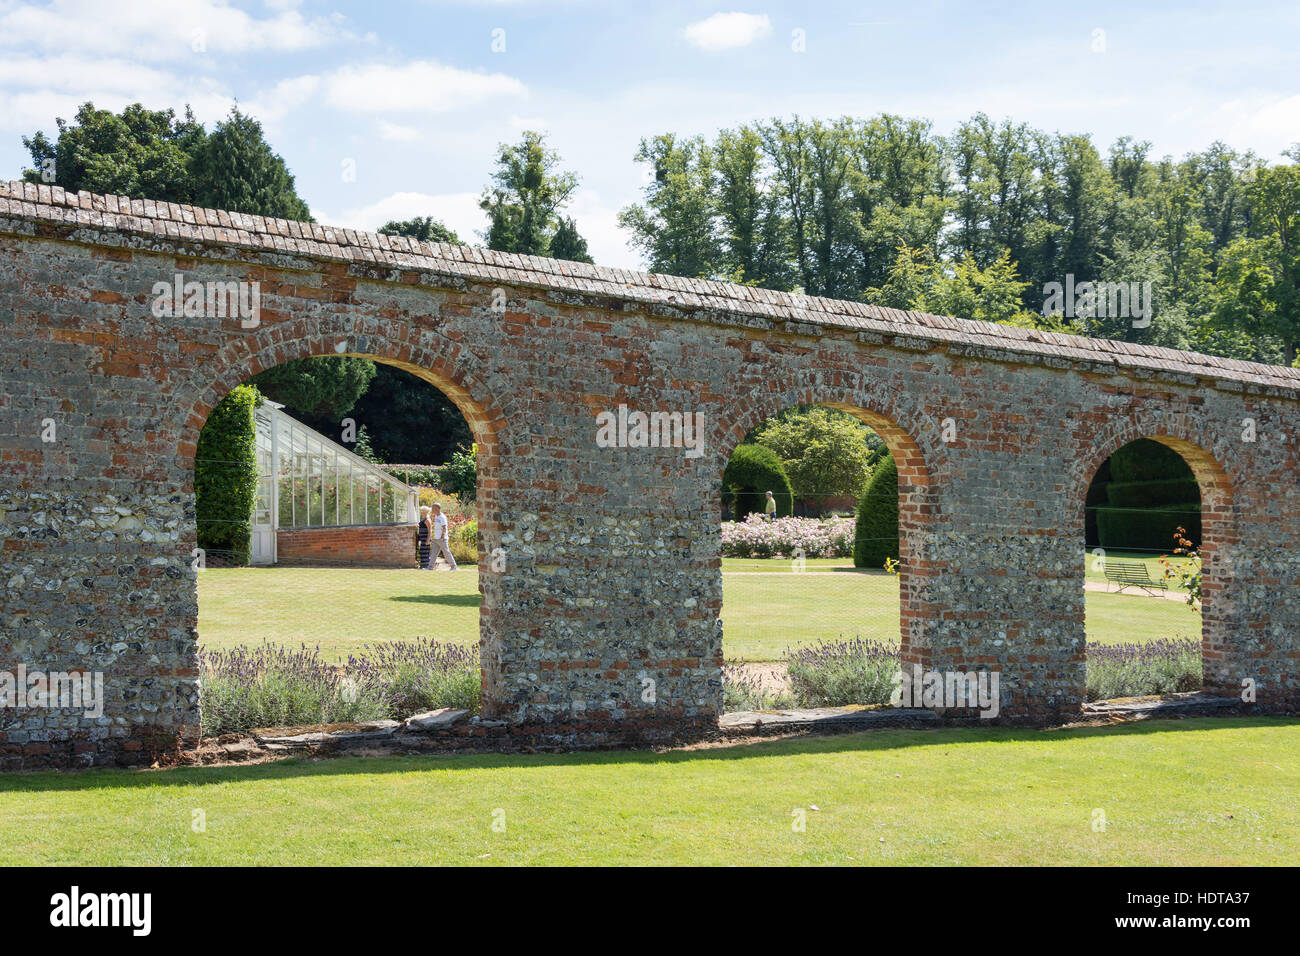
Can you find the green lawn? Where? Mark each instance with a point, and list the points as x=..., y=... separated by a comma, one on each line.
x=1193, y=792
x=785, y=564
x=763, y=614
x=340, y=609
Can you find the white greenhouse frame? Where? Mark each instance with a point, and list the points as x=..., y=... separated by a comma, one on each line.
x=326, y=485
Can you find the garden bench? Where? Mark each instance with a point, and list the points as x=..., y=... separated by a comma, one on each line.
x=1132, y=574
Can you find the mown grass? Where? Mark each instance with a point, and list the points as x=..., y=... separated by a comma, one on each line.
x=762, y=614
x=1194, y=792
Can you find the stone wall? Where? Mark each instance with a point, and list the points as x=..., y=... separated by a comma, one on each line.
x=356, y=546
x=601, y=616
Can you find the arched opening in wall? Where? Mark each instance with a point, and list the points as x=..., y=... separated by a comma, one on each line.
x=336, y=507
x=1148, y=524
x=822, y=508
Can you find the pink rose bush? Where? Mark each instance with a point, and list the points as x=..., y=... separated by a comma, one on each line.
x=756, y=537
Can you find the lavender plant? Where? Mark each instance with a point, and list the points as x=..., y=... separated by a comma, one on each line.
x=1164, y=666
x=839, y=673
x=419, y=675
x=273, y=686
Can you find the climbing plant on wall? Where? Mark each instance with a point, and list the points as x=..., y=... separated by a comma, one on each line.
x=225, y=477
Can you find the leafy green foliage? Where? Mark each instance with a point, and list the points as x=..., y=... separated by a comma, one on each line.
x=1148, y=460
x=140, y=152
x=1142, y=493
x=225, y=476
x=675, y=229
x=567, y=244
x=876, y=534
x=524, y=201
x=1259, y=281
x=978, y=224
x=1147, y=529
x=824, y=451
x=460, y=474
x=151, y=154
x=235, y=168
x=409, y=420
x=325, y=387
x=421, y=229
x=918, y=281
x=752, y=472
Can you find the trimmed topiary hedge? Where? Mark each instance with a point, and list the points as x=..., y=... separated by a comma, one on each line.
x=1151, y=529
x=1147, y=460
x=1150, y=492
x=225, y=476
x=876, y=535
x=752, y=472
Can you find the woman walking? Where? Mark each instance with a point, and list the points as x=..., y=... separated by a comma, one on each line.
x=425, y=529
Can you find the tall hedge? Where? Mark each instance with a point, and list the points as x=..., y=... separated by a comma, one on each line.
x=225, y=476
x=753, y=471
x=876, y=532
x=1147, y=460
x=1150, y=529
x=1151, y=491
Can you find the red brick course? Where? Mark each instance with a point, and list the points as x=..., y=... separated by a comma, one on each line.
x=360, y=546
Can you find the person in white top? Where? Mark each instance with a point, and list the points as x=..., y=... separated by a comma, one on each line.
x=439, y=546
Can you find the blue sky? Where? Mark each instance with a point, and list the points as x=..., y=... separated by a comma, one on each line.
x=412, y=96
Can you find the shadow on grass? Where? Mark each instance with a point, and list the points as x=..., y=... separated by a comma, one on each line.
x=452, y=600
x=862, y=742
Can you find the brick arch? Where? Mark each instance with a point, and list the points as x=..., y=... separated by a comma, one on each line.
x=1219, y=528
x=882, y=409
x=452, y=368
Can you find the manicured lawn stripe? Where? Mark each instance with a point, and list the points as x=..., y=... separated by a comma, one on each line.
x=1192, y=792
x=762, y=613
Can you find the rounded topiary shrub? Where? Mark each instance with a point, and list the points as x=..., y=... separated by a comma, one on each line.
x=876, y=534
x=225, y=477
x=752, y=472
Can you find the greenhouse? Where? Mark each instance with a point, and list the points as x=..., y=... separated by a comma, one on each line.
x=307, y=481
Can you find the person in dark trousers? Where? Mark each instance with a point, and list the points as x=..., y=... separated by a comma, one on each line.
x=425, y=529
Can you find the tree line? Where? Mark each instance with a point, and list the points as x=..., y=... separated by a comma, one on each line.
x=979, y=224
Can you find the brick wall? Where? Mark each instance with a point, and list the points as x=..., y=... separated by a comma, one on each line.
x=360, y=546
x=609, y=581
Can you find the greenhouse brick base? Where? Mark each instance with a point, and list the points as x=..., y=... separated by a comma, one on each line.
x=367, y=546
x=600, y=618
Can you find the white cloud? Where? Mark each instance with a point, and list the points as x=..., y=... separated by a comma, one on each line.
x=526, y=122
x=37, y=90
x=271, y=106
x=458, y=211
x=395, y=133
x=597, y=222
x=422, y=86
x=166, y=29
x=1271, y=126
x=727, y=31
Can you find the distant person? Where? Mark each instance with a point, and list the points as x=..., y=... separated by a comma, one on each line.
x=769, y=507
x=440, y=544
x=424, y=533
